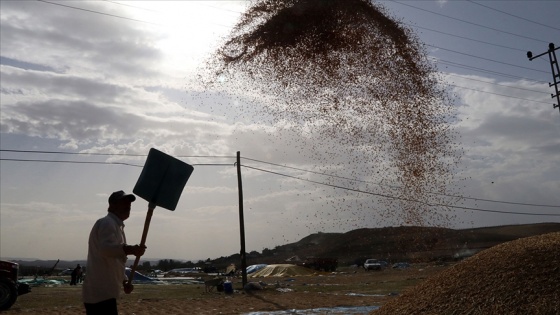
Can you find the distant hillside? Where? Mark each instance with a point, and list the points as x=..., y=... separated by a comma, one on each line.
x=413, y=244
x=401, y=243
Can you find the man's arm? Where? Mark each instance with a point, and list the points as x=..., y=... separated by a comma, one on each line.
x=135, y=250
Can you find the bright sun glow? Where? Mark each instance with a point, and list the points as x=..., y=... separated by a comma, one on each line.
x=189, y=30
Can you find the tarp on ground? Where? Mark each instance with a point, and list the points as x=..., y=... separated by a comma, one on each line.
x=42, y=282
x=255, y=268
x=283, y=270
x=138, y=277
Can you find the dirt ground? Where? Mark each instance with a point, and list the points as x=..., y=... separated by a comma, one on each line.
x=349, y=288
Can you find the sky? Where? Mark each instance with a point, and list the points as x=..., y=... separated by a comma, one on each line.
x=88, y=87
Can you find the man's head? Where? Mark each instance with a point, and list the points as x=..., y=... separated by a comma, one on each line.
x=120, y=203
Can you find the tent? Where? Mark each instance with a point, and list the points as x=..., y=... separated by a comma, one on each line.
x=138, y=277
x=283, y=270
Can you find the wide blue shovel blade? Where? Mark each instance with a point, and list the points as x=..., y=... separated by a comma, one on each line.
x=162, y=179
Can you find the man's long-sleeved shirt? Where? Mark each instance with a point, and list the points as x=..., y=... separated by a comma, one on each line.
x=106, y=261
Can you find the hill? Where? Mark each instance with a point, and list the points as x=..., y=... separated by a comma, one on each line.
x=413, y=244
x=398, y=243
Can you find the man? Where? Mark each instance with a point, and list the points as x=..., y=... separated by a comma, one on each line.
x=75, y=274
x=106, y=261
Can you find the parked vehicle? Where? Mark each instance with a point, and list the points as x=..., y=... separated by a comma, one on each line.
x=10, y=289
x=326, y=264
x=372, y=264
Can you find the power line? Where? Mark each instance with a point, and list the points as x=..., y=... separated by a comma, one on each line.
x=117, y=16
x=472, y=23
x=429, y=45
x=71, y=162
x=227, y=156
x=368, y=182
x=503, y=95
x=487, y=59
x=106, y=163
x=399, y=198
x=152, y=10
x=516, y=16
x=285, y=175
x=133, y=6
x=136, y=20
x=111, y=154
x=475, y=69
x=97, y=12
x=464, y=37
x=71, y=153
x=493, y=83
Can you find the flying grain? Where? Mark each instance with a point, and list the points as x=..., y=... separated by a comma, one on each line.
x=359, y=85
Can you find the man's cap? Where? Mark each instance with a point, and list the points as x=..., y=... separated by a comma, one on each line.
x=118, y=195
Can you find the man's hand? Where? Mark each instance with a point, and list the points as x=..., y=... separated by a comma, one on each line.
x=135, y=250
x=127, y=287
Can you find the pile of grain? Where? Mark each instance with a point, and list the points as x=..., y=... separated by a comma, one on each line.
x=518, y=277
x=358, y=85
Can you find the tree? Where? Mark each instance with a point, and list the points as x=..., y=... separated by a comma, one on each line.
x=146, y=265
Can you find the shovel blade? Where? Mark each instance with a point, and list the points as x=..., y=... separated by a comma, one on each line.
x=162, y=179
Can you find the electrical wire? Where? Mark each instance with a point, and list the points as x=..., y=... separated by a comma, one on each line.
x=244, y=158
x=487, y=59
x=464, y=37
x=111, y=154
x=71, y=162
x=152, y=10
x=107, y=163
x=493, y=83
x=446, y=49
x=493, y=93
x=306, y=180
x=118, y=16
x=98, y=12
x=399, y=198
x=454, y=64
x=368, y=182
x=516, y=16
x=475, y=69
x=472, y=23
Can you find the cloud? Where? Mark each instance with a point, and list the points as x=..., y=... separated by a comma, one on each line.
x=511, y=144
x=94, y=45
x=93, y=84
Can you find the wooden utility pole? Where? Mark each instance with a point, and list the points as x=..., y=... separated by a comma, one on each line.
x=241, y=222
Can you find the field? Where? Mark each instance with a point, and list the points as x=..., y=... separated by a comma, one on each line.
x=515, y=274
x=346, y=287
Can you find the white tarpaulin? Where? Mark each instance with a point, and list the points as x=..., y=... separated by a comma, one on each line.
x=283, y=270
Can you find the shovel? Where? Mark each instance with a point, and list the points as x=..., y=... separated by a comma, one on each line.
x=161, y=183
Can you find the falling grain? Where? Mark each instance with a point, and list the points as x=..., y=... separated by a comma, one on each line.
x=361, y=84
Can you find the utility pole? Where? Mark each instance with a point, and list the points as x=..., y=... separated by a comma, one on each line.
x=555, y=71
x=241, y=223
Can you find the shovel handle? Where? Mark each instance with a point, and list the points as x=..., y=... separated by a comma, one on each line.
x=151, y=208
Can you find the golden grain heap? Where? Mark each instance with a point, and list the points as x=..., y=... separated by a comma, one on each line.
x=518, y=277
x=360, y=83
